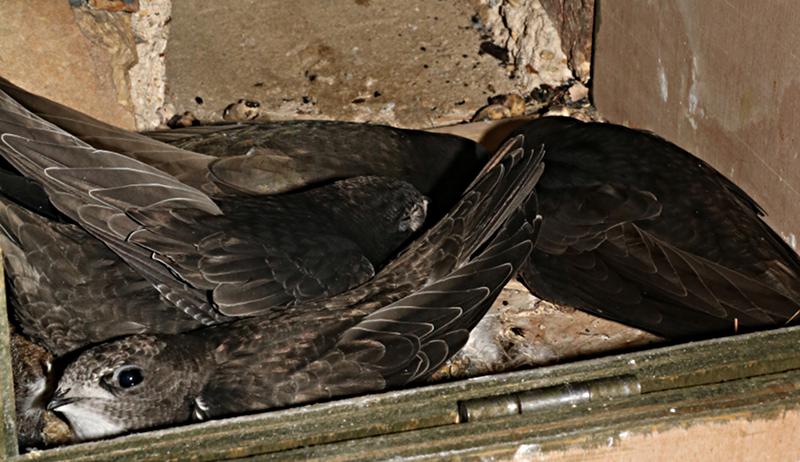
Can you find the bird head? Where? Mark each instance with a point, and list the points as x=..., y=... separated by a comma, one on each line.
x=395, y=215
x=380, y=213
x=129, y=384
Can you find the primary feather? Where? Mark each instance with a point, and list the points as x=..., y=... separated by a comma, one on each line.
x=398, y=327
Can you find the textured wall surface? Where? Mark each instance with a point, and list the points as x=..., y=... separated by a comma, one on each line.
x=420, y=64
x=720, y=79
x=65, y=54
x=417, y=65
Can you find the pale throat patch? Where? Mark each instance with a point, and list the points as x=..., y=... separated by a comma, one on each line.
x=88, y=423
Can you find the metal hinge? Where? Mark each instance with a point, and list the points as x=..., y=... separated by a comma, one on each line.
x=548, y=398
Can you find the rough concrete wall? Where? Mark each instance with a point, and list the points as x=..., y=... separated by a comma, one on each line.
x=136, y=63
x=574, y=20
x=150, y=27
x=65, y=54
x=719, y=79
x=424, y=64
x=416, y=63
x=549, y=41
x=103, y=57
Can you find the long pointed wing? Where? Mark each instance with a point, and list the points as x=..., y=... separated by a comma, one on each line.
x=640, y=231
x=99, y=189
x=189, y=167
x=276, y=157
x=631, y=276
x=56, y=271
x=401, y=325
x=411, y=338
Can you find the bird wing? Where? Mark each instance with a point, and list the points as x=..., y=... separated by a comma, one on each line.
x=175, y=235
x=282, y=156
x=596, y=252
x=95, y=188
x=270, y=158
x=245, y=276
x=411, y=338
x=57, y=270
x=62, y=162
x=28, y=195
x=397, y=327
x=638, y=230
x=189, y=167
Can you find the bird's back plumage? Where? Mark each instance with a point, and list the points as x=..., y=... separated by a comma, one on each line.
x=640, y=231
x=212, y=258
x=403, y=324
x=69, y=290
x=396, y=328
x=275, y=157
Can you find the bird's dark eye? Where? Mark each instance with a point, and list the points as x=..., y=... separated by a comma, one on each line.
x=129, y=377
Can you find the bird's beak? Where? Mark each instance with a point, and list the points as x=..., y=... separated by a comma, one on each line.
x=60, y=398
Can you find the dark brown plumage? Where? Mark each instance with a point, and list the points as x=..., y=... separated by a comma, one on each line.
x=640, y=231
x=68, y=290
x=274, y=157
x=213, y=259
x=635, y=229
x=130, y=227
x=399, y=327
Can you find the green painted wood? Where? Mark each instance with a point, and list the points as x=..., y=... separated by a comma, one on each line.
x=585, y=427
x=8, y=431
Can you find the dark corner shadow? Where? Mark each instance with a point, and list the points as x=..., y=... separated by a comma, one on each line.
x=494, y=136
